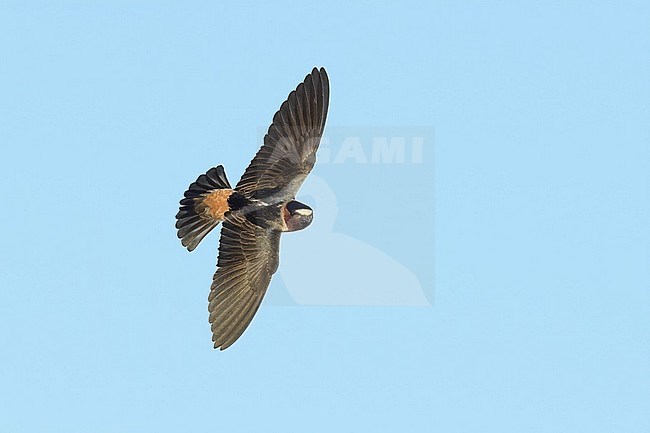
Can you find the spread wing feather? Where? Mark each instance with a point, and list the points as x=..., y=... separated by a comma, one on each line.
x=249, y=254
x=248, y=258
x=289, y=150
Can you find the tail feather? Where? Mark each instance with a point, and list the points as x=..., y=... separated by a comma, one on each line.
x=196, y=219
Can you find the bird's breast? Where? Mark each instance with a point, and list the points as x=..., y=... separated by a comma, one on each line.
x=265, y=216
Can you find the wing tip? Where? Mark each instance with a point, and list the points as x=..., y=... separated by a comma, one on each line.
x=320, y=73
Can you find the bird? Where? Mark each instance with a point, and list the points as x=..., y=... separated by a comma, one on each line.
x=257, y=210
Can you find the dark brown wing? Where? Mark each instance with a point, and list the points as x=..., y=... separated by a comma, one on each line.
x=289, y=150
x=248, y=257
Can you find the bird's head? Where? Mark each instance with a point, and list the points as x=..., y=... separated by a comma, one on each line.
x=297, y=216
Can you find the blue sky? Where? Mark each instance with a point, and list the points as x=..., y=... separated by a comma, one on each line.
x=497, y=281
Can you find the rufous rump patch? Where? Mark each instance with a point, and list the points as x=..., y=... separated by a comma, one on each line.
x=215, y=204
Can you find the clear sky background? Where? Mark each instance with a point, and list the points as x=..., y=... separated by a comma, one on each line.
x=523, y=226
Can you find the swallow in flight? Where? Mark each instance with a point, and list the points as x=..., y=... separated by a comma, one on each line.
x=257, y=210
